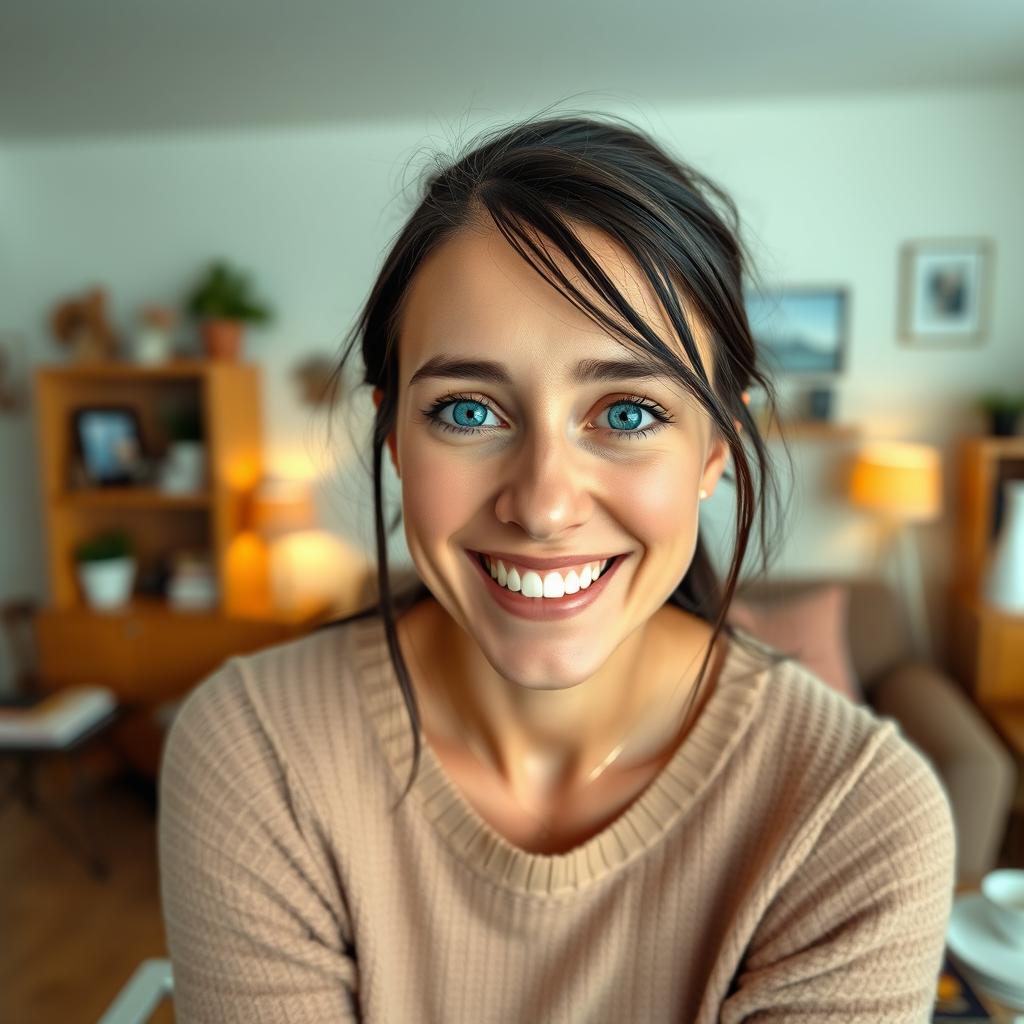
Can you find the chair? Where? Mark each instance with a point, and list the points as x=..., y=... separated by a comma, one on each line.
x=933, y=710
x=152, y=982
x=35, y=724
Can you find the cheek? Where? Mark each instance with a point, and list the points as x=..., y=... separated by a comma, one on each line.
x=655, y=503
x=439, y=493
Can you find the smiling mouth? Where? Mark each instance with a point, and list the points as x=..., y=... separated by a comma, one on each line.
x=544, y=584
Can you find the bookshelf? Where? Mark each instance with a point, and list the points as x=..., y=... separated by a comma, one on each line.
x=148, y=651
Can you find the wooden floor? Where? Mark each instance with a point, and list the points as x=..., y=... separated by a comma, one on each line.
x=68, y=943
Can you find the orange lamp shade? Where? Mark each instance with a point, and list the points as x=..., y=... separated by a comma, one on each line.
x=898, y=479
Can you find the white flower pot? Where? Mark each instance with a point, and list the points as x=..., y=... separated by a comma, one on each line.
x=107, y=583
x=1004, y=581
x=153, y=346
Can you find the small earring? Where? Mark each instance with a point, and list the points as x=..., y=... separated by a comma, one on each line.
x=703, y=494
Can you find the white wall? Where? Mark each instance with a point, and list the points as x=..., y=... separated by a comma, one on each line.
x=829, y=189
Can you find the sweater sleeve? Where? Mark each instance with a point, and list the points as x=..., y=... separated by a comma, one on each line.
x=856, y=934
x=256, y=921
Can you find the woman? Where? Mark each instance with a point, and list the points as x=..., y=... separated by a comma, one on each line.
x=550, y=783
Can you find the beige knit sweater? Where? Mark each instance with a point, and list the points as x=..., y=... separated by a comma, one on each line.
x=793, y=862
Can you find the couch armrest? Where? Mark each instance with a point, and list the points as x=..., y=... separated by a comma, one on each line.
x=977, y=770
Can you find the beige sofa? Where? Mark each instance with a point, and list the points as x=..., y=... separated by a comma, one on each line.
x=933, y=711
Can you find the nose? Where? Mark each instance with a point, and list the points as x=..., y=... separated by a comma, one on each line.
x=545, y=490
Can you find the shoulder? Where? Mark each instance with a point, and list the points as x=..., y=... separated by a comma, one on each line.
x=801, y=715
x=857, y=845
x=833, y=760
x=291, y=704
x=848, y=773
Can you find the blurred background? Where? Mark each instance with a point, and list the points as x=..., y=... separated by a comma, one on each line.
x=195, y=199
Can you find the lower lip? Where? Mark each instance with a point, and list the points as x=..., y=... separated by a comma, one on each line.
x=545, y=608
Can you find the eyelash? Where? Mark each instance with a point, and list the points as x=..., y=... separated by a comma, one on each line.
x=433, y=415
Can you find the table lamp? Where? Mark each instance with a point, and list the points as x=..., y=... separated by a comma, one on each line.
x=282, y=507
x=902, y=483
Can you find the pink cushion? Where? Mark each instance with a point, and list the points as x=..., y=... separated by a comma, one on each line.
x=812, y=627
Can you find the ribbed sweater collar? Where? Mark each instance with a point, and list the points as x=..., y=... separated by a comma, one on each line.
x=659, y=808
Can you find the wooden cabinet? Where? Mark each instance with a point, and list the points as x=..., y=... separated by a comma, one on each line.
x=988, y=650
x=148, y=651
x=988, y=644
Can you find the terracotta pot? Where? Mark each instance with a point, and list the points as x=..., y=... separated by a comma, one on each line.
x=222, y=339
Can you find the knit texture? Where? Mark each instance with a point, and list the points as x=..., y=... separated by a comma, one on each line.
x=792, y=862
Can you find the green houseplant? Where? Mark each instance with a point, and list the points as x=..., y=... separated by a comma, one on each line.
x=1003, y=410
x=106, y=568
x=223, y=302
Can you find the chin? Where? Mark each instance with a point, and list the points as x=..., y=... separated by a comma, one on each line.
x=553, y=666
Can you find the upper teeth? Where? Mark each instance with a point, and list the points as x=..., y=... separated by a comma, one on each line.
x=553, y=583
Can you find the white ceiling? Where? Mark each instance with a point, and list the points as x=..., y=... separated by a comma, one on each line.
x=113, y=66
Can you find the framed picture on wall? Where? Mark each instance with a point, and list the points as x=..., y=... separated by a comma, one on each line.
x=800, y=329
x=945, y=287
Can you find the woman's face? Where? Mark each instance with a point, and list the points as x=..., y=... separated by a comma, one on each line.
x=534, y=458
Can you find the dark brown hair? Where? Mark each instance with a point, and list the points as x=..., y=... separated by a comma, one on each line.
x=535, y=178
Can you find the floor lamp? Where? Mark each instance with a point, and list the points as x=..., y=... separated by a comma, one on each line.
x=902, y=484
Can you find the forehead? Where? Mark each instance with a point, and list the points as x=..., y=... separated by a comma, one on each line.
x=475, y=296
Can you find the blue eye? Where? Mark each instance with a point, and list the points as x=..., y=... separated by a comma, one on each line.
x=628, y=415
x=469, y=414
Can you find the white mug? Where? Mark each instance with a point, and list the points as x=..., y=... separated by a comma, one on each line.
x=1004, y=901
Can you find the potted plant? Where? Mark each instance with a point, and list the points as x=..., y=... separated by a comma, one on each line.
x=1003, y=411
x=106, y=568
x=223, y=302
x=184, y=468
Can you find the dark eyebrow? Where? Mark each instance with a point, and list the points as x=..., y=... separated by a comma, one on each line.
x=585, y=371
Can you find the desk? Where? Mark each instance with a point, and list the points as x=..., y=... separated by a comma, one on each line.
x=1001, y=1014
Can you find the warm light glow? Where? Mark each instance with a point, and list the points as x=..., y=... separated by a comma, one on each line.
x=313, y=569
x=294, y=464
x=898, y=479
x=242, y=473
x=282, y=506
x=246, y=575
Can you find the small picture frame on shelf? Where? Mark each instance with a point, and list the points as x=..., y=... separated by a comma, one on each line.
x=108, y=445
x=945, y=287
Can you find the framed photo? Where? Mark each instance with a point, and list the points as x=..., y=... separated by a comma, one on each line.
x=800, y=330
x=108, y=442
x=945, y=291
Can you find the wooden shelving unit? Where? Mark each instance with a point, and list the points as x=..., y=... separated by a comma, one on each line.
x=988, y=647
x=149, y=651
x=815, y=430
x=228, y=396
x=806, y=429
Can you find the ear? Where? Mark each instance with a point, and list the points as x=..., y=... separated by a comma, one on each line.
x=718, y=455
x=714, y=464
x=378, y=395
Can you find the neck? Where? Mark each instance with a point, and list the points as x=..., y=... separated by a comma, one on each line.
x=546, y=743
